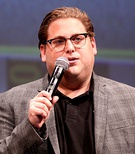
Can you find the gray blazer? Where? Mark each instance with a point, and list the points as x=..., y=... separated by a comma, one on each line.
x=114, y=114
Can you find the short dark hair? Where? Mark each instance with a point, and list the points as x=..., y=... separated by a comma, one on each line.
x=64, y=12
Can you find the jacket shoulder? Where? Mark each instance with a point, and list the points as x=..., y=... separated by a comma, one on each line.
x=112, y=85
x=24, y=91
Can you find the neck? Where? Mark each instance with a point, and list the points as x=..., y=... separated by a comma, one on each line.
x=73, y=88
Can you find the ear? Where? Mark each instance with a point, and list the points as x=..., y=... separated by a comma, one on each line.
x=93, y=43
x=43, y=52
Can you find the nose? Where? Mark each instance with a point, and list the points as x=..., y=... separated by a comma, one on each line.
x=69, y=47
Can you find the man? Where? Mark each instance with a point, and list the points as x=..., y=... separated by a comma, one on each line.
x=88, y=114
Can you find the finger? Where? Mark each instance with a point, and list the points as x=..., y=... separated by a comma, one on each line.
x=38, y=109
x=41, y=106
x=42, y=100
x=44, y=94
x=55, y=99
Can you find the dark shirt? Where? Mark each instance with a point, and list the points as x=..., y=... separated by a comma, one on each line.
x=75, y=123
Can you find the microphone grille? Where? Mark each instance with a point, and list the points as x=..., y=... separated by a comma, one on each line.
x=63, y=62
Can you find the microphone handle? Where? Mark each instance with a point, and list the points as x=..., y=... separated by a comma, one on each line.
x=54, y=80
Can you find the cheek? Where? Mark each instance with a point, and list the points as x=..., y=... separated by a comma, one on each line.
x=50, y=57
x=49, y=66
x=50, y=61
x=91, y=46
x=89, y=55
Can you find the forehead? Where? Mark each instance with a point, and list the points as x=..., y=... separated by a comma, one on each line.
x=65, y=27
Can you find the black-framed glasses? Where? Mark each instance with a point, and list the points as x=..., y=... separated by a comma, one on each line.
x=58, y=44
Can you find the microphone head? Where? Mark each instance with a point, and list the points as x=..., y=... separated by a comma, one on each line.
x=63, y=62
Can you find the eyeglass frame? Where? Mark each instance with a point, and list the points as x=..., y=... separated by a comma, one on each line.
x=50, y=40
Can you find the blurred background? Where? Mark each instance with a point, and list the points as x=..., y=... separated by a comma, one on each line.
x=114, y=23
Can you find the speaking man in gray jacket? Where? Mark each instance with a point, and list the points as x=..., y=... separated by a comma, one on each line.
x=84, y=114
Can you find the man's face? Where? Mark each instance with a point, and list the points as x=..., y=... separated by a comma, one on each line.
x=81, y=59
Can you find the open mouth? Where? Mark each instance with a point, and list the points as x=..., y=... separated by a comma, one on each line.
x=72, y=59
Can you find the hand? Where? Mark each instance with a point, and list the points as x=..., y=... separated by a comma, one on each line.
x=40, y=107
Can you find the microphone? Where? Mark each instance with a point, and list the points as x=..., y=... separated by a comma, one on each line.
x=61, y=65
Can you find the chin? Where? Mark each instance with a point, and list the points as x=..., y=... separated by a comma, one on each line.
x=72, y=74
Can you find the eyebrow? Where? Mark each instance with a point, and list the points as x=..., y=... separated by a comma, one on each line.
x=64, y=36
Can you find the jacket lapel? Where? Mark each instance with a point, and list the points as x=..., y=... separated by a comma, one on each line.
x=52, y=133
x=100, y=113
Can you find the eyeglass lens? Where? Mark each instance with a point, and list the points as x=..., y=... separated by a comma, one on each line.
x=78, y=41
